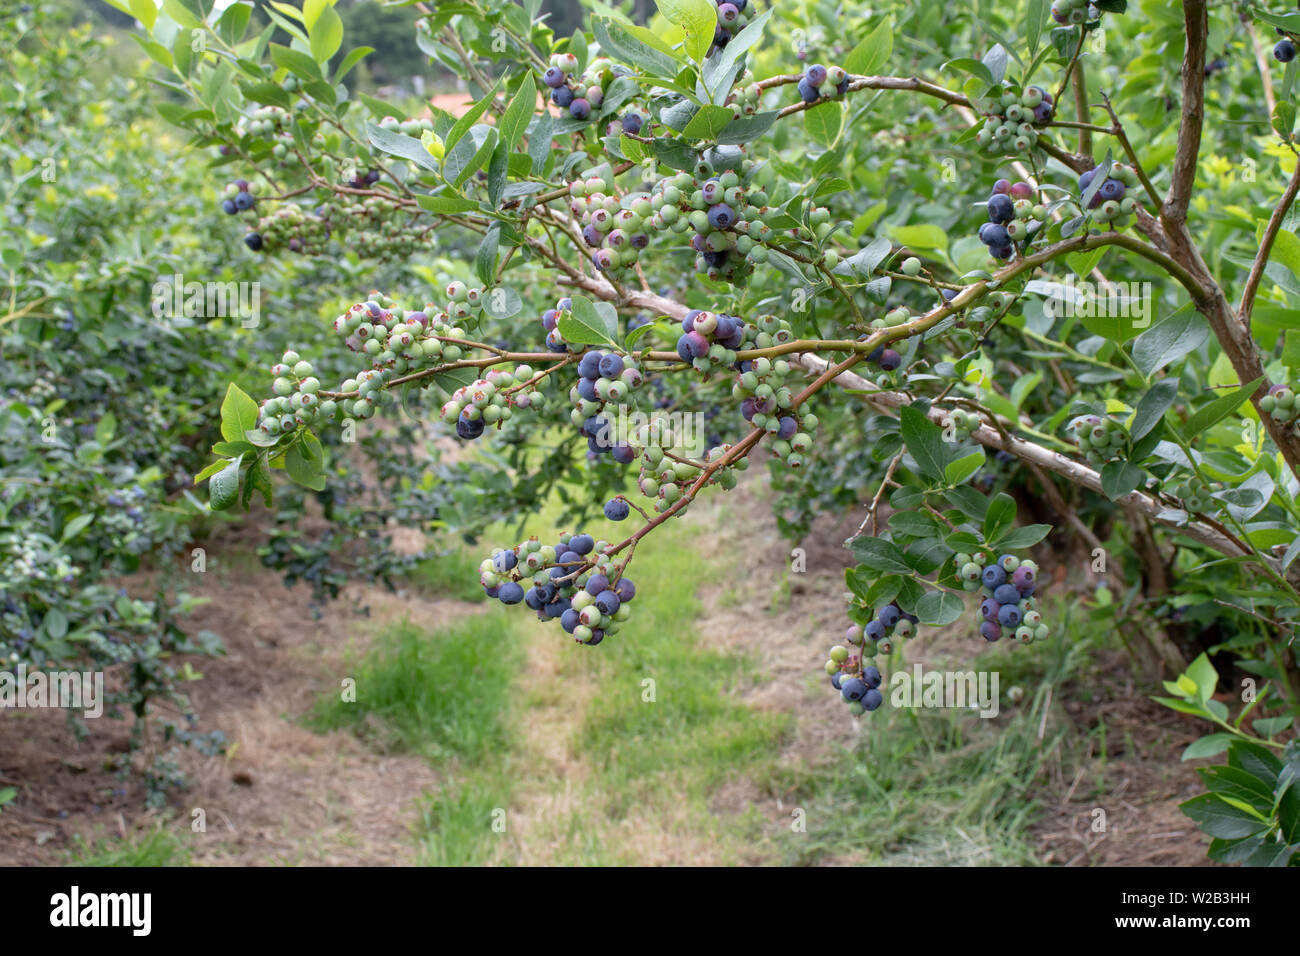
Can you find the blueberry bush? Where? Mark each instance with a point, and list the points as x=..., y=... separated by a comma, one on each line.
x=1020, y=276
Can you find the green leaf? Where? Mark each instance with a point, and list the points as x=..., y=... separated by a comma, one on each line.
x=924, y=441
x=295, y=61
x=1168, y=340
x=230, y=27
x=1220, y=819
x=622, y=45
x=699, y=18
x=1152, y=407
x=1238, y=785
x=747, y=129
x=1024, y=537
x=75, y=526
x=879, y=555
x=399, y=144
x=446, y=204
x=238, y=413
x=968, y=501
x=938, y=608
x=586, y=326
x=1034, y=23
x=708, y=122
x=823, y=121
x=1255, y=759
x=55, y=623
x=517, y=114
x=326, y=35
x=1000, y=516
x=463, y=124
x=485, y=259
x=958, y=471
x=1118, y=478
x=223, y=487
x=1210, y=415
x=973, y=67
x=873, y=52
x=1203, y=674
x=1207, y=746
x=304, y=467
x=354, y=56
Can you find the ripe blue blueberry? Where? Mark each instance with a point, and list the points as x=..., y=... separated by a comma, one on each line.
x=872, y=699
x=254, y=241
x=722, y=216
x=582, y=543
x=580, y=108
x=1009, y=615
x=510, y=593
x=889, y=615
x=616, y=509
x=853, y=689
x=608, y=602
x=228, y=206
x=1111, y=189
x=807, y=91
x=836, y=679
x=569, y=620
x=871, y=676
x=243, y=201
x=553, y=77
x=469, y=428
x=563, y=97
x=1006, y=594
x=632, y=123
x=990, y=631
x=989, y=609
x=1002, y=209
x=504, y=561
x=589, y=365
x=596, y=584
x=611, y=366
x=993, y=576
x=890, y=360
x=874, y=630
x=815, y=74
x=1284, y=52
x=625, y=590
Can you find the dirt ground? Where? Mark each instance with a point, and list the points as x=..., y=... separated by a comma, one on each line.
x=284, y=794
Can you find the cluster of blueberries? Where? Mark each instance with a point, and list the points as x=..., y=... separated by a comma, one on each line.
x=1111, y=202
x=822, y=82
x=1012, y=118
x=616, y=229
x=1014, y=218
x=851, y=672
x=1009, y=586
x=1100, y=439
x=604, y=378
x=237, y=197
x=732, y=18
x=1280, y=403
x=573, y=581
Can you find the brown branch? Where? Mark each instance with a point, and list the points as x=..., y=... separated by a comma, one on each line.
x=1196, y=21
x=1266, y=247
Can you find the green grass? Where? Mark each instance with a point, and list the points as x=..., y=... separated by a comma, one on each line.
x=441, y=693
x=452, y=575
x=698, y=732
x=929, y=787
x=464, y=822
x=156, y=848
